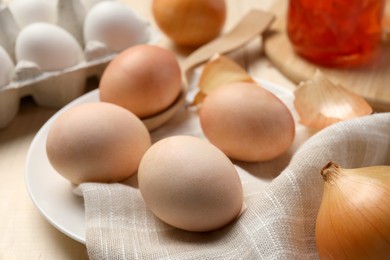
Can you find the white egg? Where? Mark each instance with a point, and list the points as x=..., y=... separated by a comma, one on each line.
x=6, y=67
x=114, y=24
x=27, y=12
x=49, y=46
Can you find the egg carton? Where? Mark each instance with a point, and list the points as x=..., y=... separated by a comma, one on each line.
x=54, y=88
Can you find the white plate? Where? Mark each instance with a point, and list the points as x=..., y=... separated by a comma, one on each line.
x=52, y=194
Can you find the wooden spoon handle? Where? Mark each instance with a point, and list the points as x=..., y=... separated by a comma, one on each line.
x=254, y=23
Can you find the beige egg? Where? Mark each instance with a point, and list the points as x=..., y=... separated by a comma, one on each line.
x=97, y=142
x=190, y=184
x=247, y=122
x=144, y=79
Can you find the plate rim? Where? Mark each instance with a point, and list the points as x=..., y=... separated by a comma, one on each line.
x=27, y=175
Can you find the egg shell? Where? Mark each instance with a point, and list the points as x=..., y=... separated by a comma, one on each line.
x=114, y=24
x=190, y=184
x=97, y=142
x=144, y=79
x=247, y=122
x=49, y=46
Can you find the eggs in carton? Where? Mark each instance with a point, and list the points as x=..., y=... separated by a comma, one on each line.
x=49, y=49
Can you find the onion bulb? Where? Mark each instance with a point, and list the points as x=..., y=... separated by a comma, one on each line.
x=190, y=22
x=353, y=221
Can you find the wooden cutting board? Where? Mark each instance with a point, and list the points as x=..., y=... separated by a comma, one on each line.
x=371, y=81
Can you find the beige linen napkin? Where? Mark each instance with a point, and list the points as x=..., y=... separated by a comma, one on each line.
x=279, y=217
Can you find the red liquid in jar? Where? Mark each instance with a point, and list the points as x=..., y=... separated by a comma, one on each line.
x=335, y=32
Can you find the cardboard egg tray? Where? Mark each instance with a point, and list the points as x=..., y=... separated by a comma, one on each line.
x=52, y=88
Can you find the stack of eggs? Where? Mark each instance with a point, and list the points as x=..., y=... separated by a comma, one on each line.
x=49, y=48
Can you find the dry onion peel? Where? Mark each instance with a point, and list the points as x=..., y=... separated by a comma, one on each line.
x=353, y=221
x=219, y=70
x=321, y=103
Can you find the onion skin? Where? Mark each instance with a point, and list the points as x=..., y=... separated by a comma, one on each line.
x=353, y=221
x=190, y=22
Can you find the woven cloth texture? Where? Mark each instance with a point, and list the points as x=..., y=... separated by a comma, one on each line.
x=281, y=201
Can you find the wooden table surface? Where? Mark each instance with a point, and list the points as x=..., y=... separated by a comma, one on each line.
x=24, y=232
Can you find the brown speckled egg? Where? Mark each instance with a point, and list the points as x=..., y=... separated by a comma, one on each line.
x=190, y=184
x=97, y=142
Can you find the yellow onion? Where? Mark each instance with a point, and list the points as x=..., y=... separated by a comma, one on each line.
x=353, y=221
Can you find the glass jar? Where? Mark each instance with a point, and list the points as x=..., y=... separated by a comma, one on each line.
x=336, y=33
